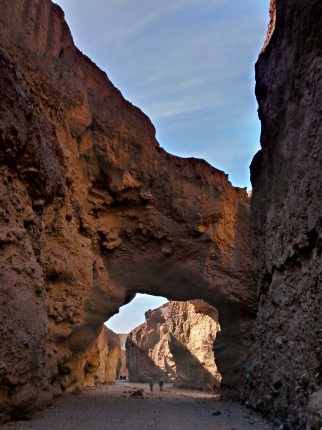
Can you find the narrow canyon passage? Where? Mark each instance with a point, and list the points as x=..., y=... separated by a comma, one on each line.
x=93, y=211
x=113, y=407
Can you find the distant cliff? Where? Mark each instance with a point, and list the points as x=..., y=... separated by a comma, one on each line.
x=104, y=361
x=176, y=344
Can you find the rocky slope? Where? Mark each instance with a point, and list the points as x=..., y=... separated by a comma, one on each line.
x=285, y=374
x=93, y=211
x=176, y=344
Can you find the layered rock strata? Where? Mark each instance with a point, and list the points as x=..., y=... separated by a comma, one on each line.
x=176, y=344
x=285, y=374
x=93, y=211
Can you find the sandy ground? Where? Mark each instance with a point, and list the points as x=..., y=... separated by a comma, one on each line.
x=112, y=408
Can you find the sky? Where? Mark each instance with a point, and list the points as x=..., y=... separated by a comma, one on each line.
x=189, y=65
x=132, y=315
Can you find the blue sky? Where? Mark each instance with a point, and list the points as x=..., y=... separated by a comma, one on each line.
x=132, y=315
x=188, y=64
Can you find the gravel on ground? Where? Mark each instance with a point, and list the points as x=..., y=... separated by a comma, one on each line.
x=114, y=407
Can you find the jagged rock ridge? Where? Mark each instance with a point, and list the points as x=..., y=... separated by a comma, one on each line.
x=176, y=344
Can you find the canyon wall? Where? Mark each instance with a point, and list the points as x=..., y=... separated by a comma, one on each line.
x=93, y=211
x=123, y=370
x=104, y=361
x=285, y=371
x=176, y=344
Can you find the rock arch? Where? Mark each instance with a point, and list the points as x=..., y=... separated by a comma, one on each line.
x=93, y=211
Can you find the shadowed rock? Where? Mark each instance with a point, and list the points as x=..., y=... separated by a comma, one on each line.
x=284, y=373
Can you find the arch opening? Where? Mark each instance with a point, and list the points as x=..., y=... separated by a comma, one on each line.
x=155, y=339
x=116, y=284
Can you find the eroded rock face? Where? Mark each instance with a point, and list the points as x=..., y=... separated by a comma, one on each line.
x=93, y=211
x=104, y=360
x=123, y=370
x=176, y=344
x=285, y=370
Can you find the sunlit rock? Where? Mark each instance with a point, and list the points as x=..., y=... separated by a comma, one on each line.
x=176, y=344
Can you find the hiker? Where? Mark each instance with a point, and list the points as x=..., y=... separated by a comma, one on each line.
x=161, y=385
x=151, y=384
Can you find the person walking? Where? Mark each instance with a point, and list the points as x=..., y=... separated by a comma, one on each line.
x=151, y=384
x=161, y=385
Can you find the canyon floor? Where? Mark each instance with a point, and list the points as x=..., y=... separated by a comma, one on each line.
x=112, y=407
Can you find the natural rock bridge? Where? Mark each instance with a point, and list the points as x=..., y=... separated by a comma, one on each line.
x=94, y=211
